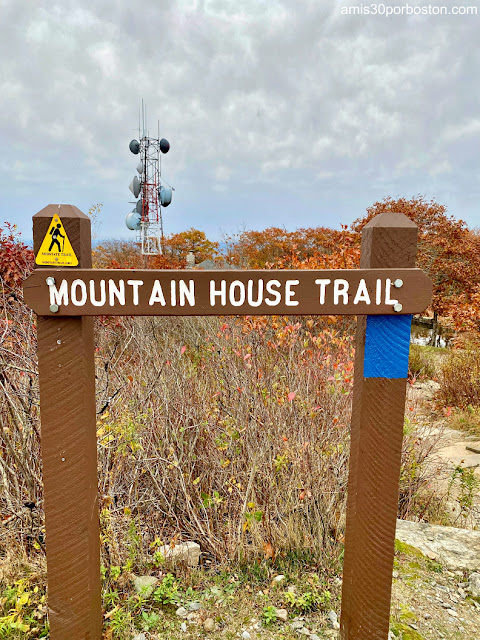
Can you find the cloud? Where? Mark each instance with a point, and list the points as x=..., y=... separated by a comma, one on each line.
x=281, y=100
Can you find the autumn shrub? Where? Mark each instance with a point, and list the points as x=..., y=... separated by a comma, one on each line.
x=460, y=377
x=176, y=246
x=233, y=432
x=230, y=432
x=314, y=248
x=125, y=254
x=418, y=497
x=20, y=467
x=16, y=260
x=422, y=362
x=448, y=251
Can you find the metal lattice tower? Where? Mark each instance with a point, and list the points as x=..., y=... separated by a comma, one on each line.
x=152, y=191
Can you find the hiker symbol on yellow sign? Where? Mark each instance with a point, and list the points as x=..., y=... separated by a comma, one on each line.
x=56, y=249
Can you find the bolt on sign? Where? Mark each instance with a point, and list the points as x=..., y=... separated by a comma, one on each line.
x=383, y=294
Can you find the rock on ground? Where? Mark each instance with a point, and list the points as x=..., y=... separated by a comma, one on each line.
x=333, y=620
x=474, y=585
x=281, y=614
x=454, y=548
x=188, y=552
x=143, y=585
x=209, y=624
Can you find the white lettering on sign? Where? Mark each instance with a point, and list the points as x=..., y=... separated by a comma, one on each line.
x=118, y=292
x=289, y=293
x=340, y=288
x=186, y=292
x=157, y=294
x=78, y=284
x=388, y=286
x=250, y=300
x=274, y=292
x=252, y=292
x=214, y=293
x=59, y=296
x=135, y=284
x=237, y=302
x=220, y=293
x=103, y=294
x=362, y=294
x=323, y=285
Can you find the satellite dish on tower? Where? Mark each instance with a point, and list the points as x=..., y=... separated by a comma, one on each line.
x=164, y=145
x=165, y=195
x=140, y=168
x=139, y=206
x=135, y=186
x=134, y=146
x=133, y=220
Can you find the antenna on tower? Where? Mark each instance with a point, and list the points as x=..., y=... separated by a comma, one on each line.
x=152, y=191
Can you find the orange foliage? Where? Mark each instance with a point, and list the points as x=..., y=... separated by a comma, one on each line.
x=448, y=251
x=125, y=254
x=16, y=260
x=342, y=253
x=178, y=245
x=312, y=248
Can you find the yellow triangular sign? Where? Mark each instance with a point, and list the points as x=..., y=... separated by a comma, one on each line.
x=56, y=249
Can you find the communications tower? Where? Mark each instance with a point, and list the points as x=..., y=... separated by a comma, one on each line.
x=152, y=191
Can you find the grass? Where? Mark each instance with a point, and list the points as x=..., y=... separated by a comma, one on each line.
x=22, y=594
x=460, y=377
x=425, y=361
x=225, y=595
x=467, y=420
x=236, y=599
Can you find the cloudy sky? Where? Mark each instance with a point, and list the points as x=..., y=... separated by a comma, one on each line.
x=279, y=112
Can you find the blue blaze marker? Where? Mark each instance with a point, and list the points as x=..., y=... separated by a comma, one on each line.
x=387, y=343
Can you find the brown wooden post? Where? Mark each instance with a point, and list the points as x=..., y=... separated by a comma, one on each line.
x=388, y=241
x=69, y=451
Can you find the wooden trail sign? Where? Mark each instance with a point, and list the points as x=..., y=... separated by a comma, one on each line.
x=196, y=293
x=384, y=293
